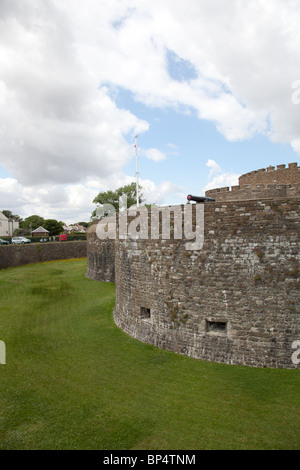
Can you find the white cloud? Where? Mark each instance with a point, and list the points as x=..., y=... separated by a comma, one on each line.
x=153, y=154
x=234, y=47
x=214, y=167
x=70, y=203
x=58, y=123
x=219, y=178
x=61, y=131
x=73, y=202
x=161, y=194
x=296, y=145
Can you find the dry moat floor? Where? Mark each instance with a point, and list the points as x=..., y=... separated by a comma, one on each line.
x=73, y=380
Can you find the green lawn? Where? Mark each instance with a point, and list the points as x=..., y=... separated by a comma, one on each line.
x=73, y=380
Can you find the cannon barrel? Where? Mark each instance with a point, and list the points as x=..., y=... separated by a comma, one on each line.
x=200, y=198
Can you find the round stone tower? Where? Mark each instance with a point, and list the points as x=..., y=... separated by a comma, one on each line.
x=235, y=297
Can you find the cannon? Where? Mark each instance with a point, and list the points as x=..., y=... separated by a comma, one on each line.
x=200, y=198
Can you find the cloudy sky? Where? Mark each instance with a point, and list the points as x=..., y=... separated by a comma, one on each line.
x=211, y=88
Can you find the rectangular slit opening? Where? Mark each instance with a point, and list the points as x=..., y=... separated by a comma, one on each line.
x=145, y=312
x=216, y=326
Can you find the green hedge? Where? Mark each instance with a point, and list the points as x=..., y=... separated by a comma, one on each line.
x=80, y=236
x=6, y=238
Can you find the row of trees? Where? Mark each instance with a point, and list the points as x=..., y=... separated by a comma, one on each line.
x=32, y=222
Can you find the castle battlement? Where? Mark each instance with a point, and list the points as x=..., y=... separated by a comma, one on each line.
x=261, y=184
x=270, y=175
x=257, y=191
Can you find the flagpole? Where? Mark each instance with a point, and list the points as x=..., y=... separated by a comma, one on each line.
x=137, y=173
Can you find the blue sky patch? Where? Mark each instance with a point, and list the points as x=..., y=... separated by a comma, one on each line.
x=180, y=69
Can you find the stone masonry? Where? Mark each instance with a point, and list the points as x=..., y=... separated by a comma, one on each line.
x=235, y=300
x=17, y=255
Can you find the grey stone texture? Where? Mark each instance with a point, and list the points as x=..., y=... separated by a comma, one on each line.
x=234, y=301
x=17, y=255
x=100, y=257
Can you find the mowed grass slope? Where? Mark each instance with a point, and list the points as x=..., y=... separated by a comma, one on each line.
x=73, y=380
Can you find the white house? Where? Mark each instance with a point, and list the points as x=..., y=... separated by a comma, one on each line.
x=7, y=226
x=3, y=225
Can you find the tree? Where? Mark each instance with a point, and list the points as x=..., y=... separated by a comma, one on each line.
x=53, y=226
x=112, y=197
x=10, y=215
x=35, y=221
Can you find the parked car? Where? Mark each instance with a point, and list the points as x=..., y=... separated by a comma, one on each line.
x=44, y=239
x=63, y=237
x=20, y=240
x=3, y=242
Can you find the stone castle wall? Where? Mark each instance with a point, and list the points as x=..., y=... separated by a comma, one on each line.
x=100, y=257
x=17, y=255
x=235, y=300
x=280, y=175
x=259, y=191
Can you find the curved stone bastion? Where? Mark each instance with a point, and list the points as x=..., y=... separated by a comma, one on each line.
x=232, y=298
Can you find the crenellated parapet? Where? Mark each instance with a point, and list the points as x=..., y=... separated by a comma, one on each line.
x=261, y=184
x=270, y=175
x=257, y=191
